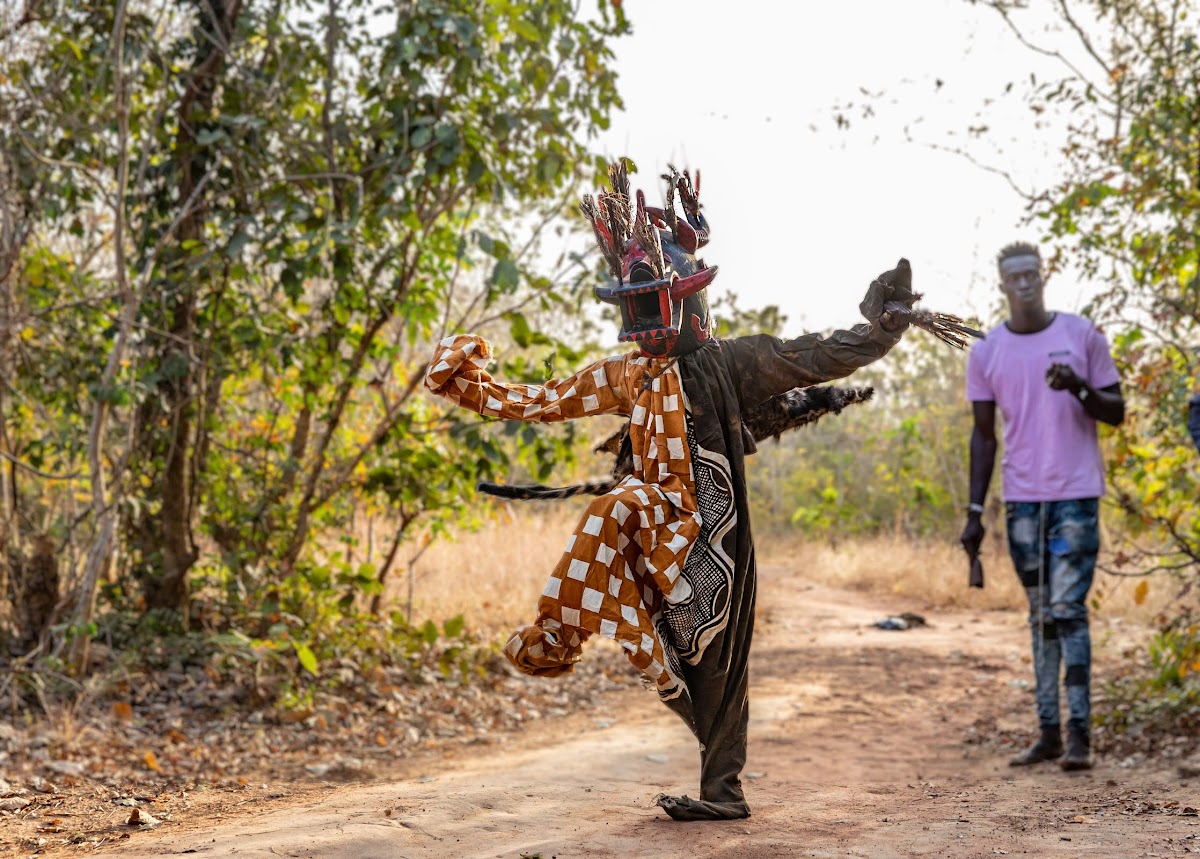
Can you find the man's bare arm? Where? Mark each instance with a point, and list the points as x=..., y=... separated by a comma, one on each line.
x=983, y=463
x=1101, y=404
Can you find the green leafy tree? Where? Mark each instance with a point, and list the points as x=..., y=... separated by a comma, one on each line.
x=239, y=226
x=893, y=465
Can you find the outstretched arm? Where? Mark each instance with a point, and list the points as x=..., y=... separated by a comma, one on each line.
x=458, y=373
x=767, y=366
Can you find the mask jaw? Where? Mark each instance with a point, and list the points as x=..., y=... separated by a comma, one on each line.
x=653, y=339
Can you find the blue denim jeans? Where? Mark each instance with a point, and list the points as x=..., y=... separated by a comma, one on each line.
x=1053, y=546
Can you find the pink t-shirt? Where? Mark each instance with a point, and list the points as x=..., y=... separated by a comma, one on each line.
x=1050, y=448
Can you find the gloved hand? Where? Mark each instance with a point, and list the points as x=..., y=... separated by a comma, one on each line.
x=894, y=285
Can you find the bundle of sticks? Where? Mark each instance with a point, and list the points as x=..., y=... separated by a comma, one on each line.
x=944, y=326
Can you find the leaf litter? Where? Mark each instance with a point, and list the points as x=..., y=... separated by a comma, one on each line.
x=154, y=750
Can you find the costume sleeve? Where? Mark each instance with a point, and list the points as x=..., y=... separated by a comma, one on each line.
x=1101, y=370
x=458, y=373
x=767, y=366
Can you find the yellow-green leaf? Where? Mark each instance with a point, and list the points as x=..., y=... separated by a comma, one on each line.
x=308, y=659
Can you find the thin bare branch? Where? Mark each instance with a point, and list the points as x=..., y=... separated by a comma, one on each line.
x=98, y=556
x=1065, y=11
x=25, y=466
x=1028, y=196
x=1002, y=9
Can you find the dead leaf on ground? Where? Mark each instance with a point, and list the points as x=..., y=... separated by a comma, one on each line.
x=66, y=767
x=143, y=819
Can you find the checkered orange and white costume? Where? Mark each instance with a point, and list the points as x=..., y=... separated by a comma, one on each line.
x=624, y=559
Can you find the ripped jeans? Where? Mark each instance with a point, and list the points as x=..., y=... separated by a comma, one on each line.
x=1053, y=546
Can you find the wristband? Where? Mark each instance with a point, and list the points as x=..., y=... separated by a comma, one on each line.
x=974, y=507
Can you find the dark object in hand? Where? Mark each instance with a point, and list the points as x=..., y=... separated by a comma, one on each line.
x=975, y=580
x=1061, y=377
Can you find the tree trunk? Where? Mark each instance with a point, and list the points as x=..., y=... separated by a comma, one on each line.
x=100, y=553
x=11, y=239
x=178, y=353
x=37, y=586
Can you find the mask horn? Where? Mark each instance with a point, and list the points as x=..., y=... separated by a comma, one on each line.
x=692, y=284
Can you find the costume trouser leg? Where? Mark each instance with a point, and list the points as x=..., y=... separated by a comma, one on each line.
x=719, y=687
x=1053, y=547
x=595, y=588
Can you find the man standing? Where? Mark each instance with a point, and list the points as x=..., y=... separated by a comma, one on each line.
x=1052, y=377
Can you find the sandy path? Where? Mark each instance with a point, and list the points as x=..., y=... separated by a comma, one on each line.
x=857, y=749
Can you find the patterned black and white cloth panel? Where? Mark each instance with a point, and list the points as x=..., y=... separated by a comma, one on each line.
x=693, y=623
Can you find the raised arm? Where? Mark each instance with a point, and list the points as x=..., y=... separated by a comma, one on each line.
x=767, y=366
x=458, y=373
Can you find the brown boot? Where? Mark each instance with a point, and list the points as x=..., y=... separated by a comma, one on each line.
x=1078, y=756
x=1048, y=747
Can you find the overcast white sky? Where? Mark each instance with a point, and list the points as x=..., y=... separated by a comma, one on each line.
x=804, y=215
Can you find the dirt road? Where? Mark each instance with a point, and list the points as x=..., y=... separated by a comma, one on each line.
x=864, y=743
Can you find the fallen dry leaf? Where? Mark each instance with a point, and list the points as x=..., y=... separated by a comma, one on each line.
x=144, y=819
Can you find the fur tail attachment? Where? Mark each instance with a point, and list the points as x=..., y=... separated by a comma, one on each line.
x=538, y=492
x=800, y=407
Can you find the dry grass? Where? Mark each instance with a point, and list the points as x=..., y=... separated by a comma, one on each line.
x=935, y=574
x=493, y=576
x=930, y=574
